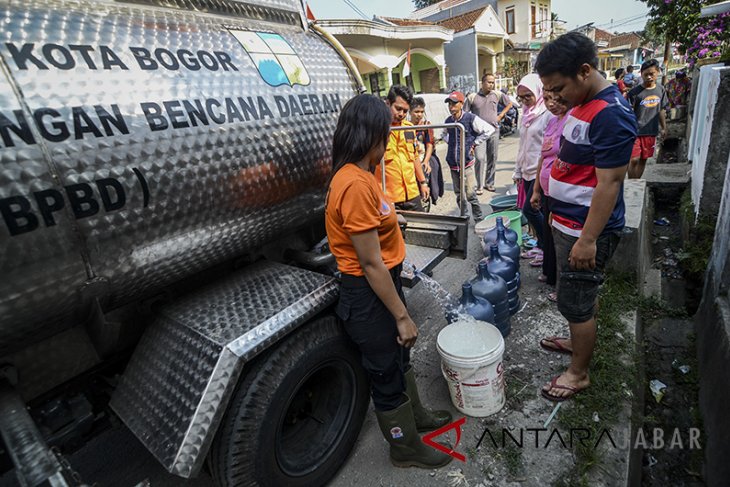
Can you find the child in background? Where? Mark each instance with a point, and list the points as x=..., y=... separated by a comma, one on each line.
x=425, y=149
x=648, y=101
x=630, y=77
x=424, y=138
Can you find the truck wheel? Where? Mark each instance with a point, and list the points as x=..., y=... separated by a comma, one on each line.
x=296, y=413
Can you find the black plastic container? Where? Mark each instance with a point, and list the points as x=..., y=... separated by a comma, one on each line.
x=494, y=289
x=505, y=268
x=479, y=308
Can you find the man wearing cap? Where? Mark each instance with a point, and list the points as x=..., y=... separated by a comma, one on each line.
x=405, y=183
x=476, y=132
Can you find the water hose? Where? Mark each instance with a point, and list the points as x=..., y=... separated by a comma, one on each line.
x=342, y=52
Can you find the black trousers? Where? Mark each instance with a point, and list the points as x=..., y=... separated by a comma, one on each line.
x=534, y=217
x=549, y=264
x=414, y=204
x=373, y=329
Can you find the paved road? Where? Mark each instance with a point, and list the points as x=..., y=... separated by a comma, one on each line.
x=116, y=458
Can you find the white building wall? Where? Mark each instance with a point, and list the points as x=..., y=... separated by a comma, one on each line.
x=523, y=18
x=702, y=120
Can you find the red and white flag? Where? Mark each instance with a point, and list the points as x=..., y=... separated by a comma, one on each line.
x=310, y=15
x=407, y=65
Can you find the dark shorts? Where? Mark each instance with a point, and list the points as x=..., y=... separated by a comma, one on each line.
x=373, y=329
x=578, y=290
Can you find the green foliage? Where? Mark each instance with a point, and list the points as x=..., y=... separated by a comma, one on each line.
x=696, y=253
x=676, y=19
x=613, y=376
x=514, y=69
x=424, y=3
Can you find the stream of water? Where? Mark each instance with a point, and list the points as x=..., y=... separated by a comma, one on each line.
x=453, y=309
x=472, y=344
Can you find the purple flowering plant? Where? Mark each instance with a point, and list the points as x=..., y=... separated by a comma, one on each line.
x=712, y=39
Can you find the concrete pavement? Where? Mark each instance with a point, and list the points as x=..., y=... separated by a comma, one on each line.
x=527, y=367
x=116, y=458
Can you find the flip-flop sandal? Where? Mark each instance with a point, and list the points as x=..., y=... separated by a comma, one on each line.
x=531, y=254
x=536, y=262
x=557, y=347
x=554, y=385
x=552, y=297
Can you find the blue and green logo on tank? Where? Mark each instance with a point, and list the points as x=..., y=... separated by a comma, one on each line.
x=277, y=62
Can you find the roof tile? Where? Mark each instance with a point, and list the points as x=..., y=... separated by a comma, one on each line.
x=463, y=21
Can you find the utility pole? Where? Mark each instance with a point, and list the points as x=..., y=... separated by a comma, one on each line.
x=667, y=54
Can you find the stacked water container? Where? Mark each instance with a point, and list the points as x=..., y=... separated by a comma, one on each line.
x=476, y=306
x=493, y=288
x=503, y=259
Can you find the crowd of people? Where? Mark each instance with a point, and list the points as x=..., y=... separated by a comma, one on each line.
x=580, y=136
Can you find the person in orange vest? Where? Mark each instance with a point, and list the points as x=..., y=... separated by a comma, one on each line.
x=405, y=183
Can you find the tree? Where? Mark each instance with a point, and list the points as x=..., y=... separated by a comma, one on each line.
x=424, y=3
x=676, y=20
x=679, y=21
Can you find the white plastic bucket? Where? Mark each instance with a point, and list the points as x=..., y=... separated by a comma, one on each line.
x=471, y=361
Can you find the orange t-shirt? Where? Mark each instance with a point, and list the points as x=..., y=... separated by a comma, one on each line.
x=356, y=204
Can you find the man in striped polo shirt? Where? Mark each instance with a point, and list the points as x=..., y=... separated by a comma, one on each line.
x=586, y=186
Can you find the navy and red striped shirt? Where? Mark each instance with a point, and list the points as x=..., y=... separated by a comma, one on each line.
x=598, y=134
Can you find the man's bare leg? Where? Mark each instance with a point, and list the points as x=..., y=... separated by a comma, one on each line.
x=634, y=168
x=582, y=341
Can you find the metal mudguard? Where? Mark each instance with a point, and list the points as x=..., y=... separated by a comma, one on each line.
x=182, y=374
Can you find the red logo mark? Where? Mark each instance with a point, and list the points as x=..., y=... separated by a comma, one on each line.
x=456, y=425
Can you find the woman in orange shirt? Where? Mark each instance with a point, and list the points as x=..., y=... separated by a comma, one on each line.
x=364, y=236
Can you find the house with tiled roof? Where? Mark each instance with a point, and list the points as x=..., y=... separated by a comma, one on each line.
x=599, y=36
x=380, y=48
x=477, y=46
x=527, y=24
x=630, y=48
x=607, y=61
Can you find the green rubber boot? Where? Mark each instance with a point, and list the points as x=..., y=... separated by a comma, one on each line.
x=426, y=419
x=406, y=448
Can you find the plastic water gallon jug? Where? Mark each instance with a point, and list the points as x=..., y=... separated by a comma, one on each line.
x=494, y=289
x=506, y=248
x=505, y=268
x=491, y=234
x=479, y=308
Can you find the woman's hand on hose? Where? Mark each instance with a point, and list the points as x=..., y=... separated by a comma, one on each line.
x=407, y=332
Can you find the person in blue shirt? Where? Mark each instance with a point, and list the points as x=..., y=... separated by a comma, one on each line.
x=630, y=77
x=477, y=131
x=586, y=187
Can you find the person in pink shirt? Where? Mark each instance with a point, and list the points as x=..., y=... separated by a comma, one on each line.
x=540, y=197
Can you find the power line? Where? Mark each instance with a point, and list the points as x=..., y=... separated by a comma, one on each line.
x=614, y=22
x=356, y=9
x=626, y=24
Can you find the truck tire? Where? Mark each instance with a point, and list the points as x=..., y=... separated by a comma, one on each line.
x=296, y=413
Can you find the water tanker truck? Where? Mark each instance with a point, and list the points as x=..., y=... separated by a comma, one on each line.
x=163, y=166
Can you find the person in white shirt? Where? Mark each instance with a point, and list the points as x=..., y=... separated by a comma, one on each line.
x=534, y=119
